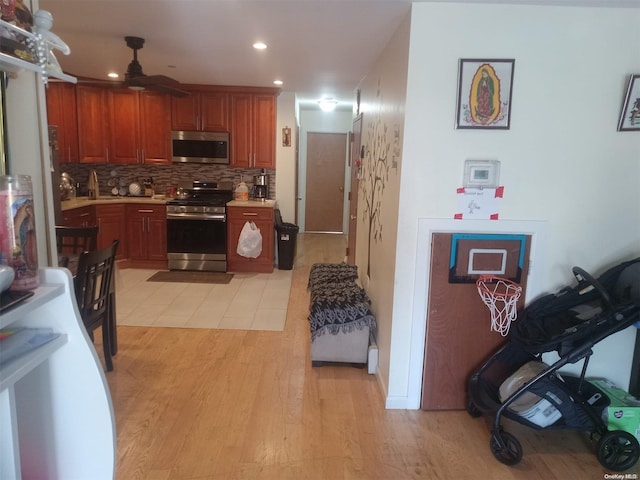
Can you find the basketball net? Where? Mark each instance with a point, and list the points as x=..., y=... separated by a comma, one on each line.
x=500, y=295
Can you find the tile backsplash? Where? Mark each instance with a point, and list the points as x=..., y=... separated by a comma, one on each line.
x=163, y=176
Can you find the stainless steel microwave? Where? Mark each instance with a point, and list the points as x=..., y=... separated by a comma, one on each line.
x=200, y=147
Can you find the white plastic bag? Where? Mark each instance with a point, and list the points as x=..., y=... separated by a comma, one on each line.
x=250, y=241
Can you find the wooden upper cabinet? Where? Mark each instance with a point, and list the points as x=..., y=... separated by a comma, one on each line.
x=253, y=130
x=264, y=131
x=93, y=124
x=140, y=127
x=62, y=112
x=202, y=111
x=123, y=116
x=155, y=127
x=240, y=138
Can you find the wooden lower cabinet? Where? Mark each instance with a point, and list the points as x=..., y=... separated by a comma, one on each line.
x=79, y=217
x=263, y=218
x=147, y=235
x=112, y=226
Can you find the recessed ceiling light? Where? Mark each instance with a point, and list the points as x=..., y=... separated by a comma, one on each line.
x=278, y=82
x=259, y=45
x=112, y=75
x=327, y=104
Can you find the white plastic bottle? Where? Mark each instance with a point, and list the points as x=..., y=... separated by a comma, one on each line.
x=242, y=191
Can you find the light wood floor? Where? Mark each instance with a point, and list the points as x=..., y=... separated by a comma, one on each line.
x=230, y=404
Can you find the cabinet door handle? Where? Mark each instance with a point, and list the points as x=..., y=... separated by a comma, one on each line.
x=246, y=214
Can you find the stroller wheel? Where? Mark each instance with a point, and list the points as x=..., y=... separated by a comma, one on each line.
x=618, y=450
x=506, y=448
x=472, y=409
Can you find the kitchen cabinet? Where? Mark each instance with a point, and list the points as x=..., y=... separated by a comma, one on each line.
x=139, y=127
x=93, y=124
x=62, y=112
x=55, y=408
x=237, y=216
x=202, y=111
x=253, y=130
x=112, y=226
x=79, y=217
x=147, y=235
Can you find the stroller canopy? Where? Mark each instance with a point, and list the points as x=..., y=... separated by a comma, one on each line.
x=574, y=315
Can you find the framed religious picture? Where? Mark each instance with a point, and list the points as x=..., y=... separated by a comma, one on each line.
x=630, y=114
x=286, y=137
x=484, y=93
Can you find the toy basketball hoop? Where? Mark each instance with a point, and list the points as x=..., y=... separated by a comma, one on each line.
x=500, y=295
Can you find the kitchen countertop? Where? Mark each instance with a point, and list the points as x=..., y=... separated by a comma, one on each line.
x=106, y=200
x=252, y=203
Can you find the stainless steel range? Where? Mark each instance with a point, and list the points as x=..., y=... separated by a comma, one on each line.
x=197, y=228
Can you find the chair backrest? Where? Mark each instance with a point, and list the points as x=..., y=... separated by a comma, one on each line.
x=92, y=285
x=76, y=240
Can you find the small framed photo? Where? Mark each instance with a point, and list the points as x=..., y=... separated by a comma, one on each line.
x=484, y=93
x=286, y=137
x=630, y=114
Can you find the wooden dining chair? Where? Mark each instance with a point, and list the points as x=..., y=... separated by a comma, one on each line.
x=72, y=241
x=92, y=285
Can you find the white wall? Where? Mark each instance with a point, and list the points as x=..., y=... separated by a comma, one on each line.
x=563, y=162
x=316, y=121
x=382, y=104
x=286, y=157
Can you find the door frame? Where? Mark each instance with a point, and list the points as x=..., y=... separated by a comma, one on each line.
x=355, y=157
x=426, y=228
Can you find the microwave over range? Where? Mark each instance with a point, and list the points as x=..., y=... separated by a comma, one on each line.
x=200, y=147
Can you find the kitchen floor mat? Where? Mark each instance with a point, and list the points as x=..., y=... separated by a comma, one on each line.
x=183, y=276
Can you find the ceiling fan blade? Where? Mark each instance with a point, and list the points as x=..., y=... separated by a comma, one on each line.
x=157, y=80
x=176, y=92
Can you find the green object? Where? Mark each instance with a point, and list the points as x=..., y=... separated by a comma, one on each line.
x=624, y=411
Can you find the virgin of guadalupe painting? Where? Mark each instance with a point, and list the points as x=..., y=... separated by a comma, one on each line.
x=484, y=93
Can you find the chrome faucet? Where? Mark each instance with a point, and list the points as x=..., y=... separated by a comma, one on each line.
x=93, y=187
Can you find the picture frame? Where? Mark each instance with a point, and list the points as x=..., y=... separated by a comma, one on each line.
x=286, y=137
x=485, y=89
x=630, y=113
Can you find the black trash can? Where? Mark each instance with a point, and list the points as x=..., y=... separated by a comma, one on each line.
x=287, y=234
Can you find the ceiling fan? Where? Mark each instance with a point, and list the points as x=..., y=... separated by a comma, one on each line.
x=134, y=78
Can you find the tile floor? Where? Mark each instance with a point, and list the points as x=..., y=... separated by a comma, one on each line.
x=251, y=301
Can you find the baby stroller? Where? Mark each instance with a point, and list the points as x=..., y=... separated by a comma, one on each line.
x=569, y=322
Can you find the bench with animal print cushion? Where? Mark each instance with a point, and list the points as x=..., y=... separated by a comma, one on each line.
x=340, y=315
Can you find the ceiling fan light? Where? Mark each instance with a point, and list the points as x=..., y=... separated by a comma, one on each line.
x=327, y=104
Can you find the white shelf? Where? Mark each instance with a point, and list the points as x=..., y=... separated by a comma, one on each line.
x=20, y=366
x=55, y=399
x=42, y=295
x=9, y=63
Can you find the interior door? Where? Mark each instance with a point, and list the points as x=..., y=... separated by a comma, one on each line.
x=326, y=156
x=459, y=337
x=355, y=158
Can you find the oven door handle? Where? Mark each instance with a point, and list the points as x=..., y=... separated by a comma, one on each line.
x=196, y=216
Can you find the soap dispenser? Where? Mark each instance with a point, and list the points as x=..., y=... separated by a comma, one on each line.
x=93, y=187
